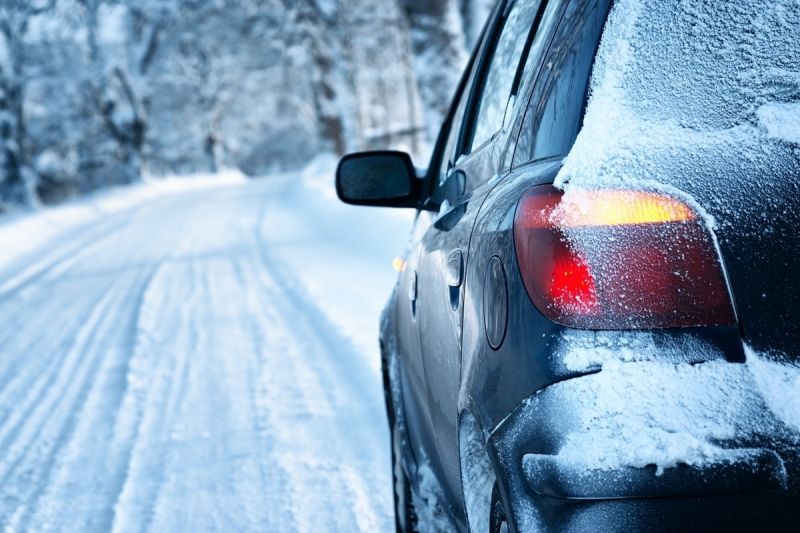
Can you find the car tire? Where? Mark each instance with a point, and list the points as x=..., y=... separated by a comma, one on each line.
x=404, y=514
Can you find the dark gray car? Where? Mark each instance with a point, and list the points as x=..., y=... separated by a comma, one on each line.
x=595, y=327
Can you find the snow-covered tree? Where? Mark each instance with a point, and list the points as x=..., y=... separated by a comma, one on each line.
x=18, y=180
x=95, y=92
x=439, y=43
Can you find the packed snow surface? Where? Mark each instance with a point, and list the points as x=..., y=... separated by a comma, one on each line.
x=198, y=359
x=650, y=405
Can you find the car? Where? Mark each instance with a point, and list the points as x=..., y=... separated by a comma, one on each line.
x=594, y=323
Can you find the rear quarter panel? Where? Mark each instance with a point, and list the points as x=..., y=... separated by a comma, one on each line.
x=494, y=382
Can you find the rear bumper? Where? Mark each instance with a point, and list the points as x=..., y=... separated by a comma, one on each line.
x=745, y=512
x=567, y=458
x=740, y=471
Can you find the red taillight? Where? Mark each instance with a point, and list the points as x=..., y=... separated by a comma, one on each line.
x=572, y=286
x=617, y=259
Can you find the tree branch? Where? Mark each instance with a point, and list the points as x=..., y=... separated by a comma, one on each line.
x=34, y=10
x=151, y=46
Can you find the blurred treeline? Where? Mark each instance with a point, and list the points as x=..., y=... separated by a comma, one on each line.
x=98, y=92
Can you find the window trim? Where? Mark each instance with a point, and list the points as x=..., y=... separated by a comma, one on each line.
x=528, y=83
x=487, y=54
x=476, y=95
x=463, y=90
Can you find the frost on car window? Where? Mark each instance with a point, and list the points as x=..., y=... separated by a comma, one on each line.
x=701, y=76
x=503, y=69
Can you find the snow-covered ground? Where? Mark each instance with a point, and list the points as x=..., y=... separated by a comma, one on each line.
x=196, y=355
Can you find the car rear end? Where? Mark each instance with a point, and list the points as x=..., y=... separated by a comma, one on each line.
x=654, y=409
x=661, y=267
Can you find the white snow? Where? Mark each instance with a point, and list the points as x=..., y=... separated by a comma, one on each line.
x=587, y=350
x=782, y=120
x=646, y=407
x=344, y=253
x=715, y=79
x=429, y=501
x=779, y=383
x=655, y=414
x=195, y=355
x=111, y=24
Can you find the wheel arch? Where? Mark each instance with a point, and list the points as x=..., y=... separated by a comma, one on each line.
x=477, y=471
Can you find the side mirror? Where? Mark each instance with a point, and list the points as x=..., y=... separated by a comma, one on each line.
x=383, y=179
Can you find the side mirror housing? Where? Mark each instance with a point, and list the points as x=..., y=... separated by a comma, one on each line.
x=382, y=179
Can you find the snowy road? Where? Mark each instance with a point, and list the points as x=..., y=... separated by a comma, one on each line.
x=174, y=367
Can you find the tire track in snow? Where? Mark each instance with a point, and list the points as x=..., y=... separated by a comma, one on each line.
x=92, y=432
x=14, y=295
x=44, y=378
x=43, y=398
x=77, y=378
x=354, y=416
x=38, y=437
x=190, y=385
x=203, y=401
x=63, y=255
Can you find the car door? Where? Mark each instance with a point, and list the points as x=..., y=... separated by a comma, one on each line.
x=406, y=301
x=465, y=178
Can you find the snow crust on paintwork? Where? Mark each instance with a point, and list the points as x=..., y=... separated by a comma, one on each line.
x=654, y=413
x=779, y=384
x=687, y=77
x=583, y=351
x=781, y=120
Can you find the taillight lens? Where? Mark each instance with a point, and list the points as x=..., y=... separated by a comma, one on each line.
x=619, y=259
